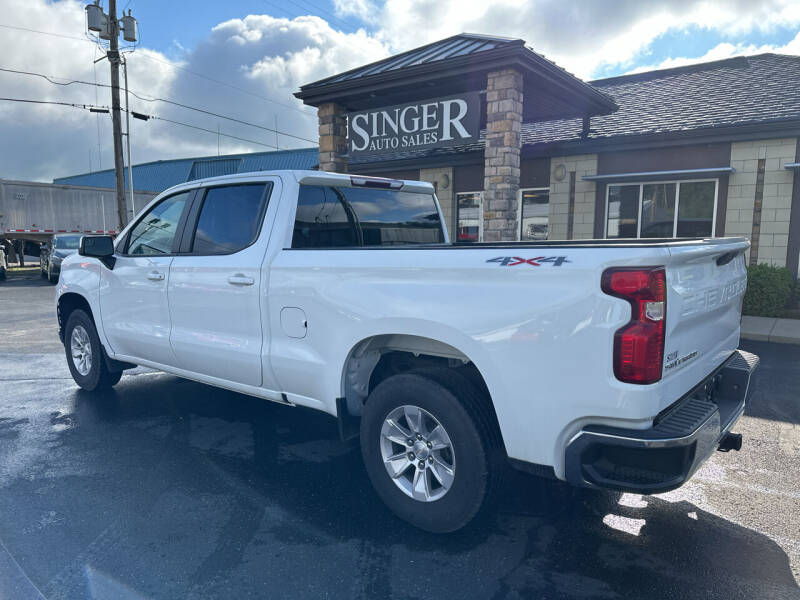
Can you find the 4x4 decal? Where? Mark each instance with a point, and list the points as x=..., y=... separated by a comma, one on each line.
x=513, y=261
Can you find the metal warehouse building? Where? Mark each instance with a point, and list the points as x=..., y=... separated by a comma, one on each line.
x=519, y=149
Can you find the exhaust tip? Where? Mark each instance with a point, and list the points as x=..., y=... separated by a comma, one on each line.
x=731, y=441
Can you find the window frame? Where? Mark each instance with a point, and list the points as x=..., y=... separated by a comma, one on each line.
x=519, y=209
x=186, y=247
x=480, y=217
x=677, y=183
x=179, y=228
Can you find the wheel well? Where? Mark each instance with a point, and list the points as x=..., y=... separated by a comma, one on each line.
x=380, y=357
x=66, y=304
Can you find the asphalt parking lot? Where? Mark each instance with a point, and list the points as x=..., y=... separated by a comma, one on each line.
x=164, y=488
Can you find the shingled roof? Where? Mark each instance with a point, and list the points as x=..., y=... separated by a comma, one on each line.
x=727, y=93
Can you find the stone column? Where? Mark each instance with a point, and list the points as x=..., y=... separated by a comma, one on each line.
x=332, y=137
x=501, y=156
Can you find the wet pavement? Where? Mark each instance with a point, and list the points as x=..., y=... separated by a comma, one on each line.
x=165, y=488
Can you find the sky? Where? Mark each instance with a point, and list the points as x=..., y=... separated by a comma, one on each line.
x=244, y=59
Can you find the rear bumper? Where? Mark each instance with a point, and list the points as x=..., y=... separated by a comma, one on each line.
x=667, y=454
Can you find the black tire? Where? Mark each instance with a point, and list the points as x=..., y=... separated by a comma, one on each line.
x=43, y=272
x=98, y=377
x=465, y=415
x=50, y=276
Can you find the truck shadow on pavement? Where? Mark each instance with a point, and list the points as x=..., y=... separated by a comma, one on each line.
x=171, y=488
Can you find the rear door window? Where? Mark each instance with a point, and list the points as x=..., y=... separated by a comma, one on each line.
x=330, y=216
x=230, y=218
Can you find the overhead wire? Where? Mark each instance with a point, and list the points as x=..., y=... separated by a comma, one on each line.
x=50, y=79
x=169, y=64
x=94, y=108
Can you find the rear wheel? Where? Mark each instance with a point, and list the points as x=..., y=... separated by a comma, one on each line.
x=431, y=448
x=50, y=277
x=85, y=355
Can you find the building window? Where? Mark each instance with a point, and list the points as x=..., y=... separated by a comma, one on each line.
x=469, y=217
x=534, y=209
x=661, y=209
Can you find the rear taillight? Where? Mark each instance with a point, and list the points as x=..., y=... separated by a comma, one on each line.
x=639, y=345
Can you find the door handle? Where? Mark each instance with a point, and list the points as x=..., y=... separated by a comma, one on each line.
x=155, y=276
x=240, y=279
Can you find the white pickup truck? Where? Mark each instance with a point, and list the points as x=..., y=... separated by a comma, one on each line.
x=604, y=363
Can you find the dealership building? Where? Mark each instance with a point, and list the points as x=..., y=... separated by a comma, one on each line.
x=519, y=149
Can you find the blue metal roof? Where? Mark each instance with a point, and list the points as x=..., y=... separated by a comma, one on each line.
x=160, y=175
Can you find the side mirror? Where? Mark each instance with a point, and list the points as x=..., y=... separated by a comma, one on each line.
x=98, y=246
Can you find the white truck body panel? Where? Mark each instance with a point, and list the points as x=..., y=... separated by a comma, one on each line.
x=541, y=334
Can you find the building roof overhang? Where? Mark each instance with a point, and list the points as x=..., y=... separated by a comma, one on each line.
x=450, y=67
x=710, y=172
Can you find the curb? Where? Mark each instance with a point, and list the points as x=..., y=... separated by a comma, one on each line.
x=767, y=329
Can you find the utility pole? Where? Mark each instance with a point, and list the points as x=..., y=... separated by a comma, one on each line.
x=116, y=120
x=128, y=140
x=108, y=28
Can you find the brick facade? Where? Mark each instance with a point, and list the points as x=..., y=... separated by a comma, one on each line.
x=332, y=137
x=584, y=197
x=501, y=155
x=772, y=225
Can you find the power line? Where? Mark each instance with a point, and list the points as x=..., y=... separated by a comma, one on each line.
x=61, y=35
x=229, y=85
x=94, y=108
x=73, y=104
x=164, y=100
x=318, y=10
x=169, y=64
x=214, y=132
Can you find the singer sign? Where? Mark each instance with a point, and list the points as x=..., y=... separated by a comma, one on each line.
x=435, y=123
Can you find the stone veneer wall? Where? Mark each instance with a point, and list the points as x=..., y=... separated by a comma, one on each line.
x=501, y=155
x=583, y=217
x=332, y=137
x=773, y=232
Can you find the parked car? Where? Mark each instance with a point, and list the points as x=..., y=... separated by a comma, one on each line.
x=52, y=254
x=604, y=363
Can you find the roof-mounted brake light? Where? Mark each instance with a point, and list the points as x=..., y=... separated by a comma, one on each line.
x=376, y=182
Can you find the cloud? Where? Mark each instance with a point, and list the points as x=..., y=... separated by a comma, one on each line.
x=583, y=35
x=722, y=51
x=264, y=59
x=363, y=9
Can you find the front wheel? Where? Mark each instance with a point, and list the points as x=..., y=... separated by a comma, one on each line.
x=50, y=277
x=431, y=448
x=85, y=355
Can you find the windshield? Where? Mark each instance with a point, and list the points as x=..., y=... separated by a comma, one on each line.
x=68, y=242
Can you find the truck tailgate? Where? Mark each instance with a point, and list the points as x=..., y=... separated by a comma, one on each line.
x=705, y=288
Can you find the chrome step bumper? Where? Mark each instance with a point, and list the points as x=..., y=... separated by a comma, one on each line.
x=682, y=437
